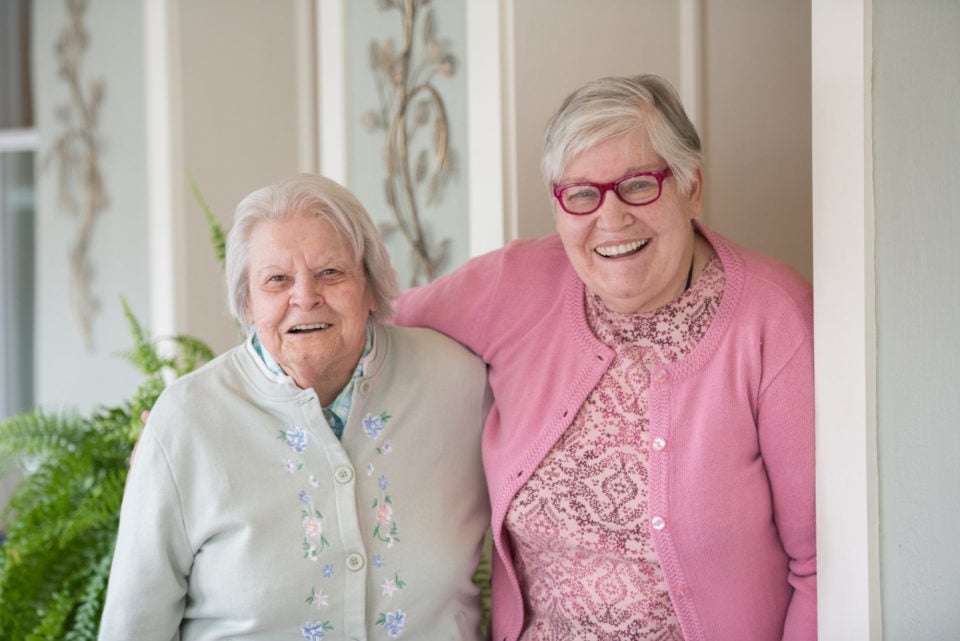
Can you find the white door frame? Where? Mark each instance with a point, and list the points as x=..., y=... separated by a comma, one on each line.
x=844, y=321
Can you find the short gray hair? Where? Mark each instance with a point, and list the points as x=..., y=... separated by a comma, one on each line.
x=326, y=199
x=612, y=106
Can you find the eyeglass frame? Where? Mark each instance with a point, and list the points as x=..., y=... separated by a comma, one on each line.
x=660, y=175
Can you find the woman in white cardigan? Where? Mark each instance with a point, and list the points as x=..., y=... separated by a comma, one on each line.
x=320, y=480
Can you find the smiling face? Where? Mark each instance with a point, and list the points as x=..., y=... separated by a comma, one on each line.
x=309, y=301
x=636, y=258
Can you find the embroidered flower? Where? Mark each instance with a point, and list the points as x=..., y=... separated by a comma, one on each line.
x=387, y=448
x=369, y=469
x=383, y=482
x=317, y=598
x=296, y=438
x=392, y=622
x=328, y=570
x=384, y=513
x=315, y=631
x=312, y=527
x=304, y=497
x=392, y=585
x=291, y=467
x=312, y=480
x=389, y=587
x=313, y=534
x=378, y=561
x=373, y=425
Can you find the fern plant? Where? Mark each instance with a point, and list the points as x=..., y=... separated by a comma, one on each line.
x=61, y=520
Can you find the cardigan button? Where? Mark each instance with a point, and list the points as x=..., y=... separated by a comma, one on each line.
x=344, y=474
x=660, y=376
x=659, y=443
x=365, y=387
x=657, y=523
x=355, y=562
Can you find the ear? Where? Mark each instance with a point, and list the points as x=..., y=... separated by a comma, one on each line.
x=696, y=193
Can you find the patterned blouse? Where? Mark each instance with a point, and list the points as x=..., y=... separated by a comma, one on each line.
x=584, y=556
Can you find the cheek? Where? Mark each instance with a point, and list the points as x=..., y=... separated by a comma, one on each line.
x=265, y=312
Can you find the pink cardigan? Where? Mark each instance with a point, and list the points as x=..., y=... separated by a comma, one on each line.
x=734, y=479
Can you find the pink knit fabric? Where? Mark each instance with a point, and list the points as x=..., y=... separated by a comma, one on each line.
x=584, y=554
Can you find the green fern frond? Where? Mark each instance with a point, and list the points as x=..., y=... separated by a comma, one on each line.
x=217, y=235
x=86, y=623
x=63, y=515
x=144, y=354
x=61, y=520
x=191, y=353
x=34, y=433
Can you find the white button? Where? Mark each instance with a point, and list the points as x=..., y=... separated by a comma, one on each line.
x=344, y=474
x=660, y=376
x=365, y=387
x=658, y=523
x=354, y=562
x=659, y=443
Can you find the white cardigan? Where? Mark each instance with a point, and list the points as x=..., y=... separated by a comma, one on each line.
x=245, y=518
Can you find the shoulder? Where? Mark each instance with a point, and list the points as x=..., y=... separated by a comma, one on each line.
x=763, y=284
x=427, y=347
x=203, y=387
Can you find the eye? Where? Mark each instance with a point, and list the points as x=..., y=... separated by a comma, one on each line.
x=582, y=192
x=328, y=272
x=276, y=278
x=639, y=183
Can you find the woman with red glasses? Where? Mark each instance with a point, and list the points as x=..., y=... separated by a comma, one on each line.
x=650, y=452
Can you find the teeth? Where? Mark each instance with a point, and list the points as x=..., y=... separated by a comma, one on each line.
x=307, y=328
x=619, y=250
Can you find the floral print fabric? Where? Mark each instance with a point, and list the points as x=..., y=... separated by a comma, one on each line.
x=582, y=544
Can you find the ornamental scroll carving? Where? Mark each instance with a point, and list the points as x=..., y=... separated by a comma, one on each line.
x=74, y=154
x=410, y=106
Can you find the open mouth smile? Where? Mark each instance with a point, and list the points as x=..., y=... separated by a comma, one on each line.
x=300, y=329
x=623, y=249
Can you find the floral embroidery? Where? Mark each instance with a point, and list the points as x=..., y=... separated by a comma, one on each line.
x=378, y=561
x=295, y=438
x=316, y=631
x=392, y=585
x=328, y=570
x=385, y=522
x=318, y=598
x=386, y=449
x=392, y=622
x=373, y=425
x=313, y=534
x=291, y=466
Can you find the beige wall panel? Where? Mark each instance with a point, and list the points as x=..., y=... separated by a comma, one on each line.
x=560, y=44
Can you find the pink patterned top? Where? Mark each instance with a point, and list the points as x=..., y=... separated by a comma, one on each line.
x=583, y=551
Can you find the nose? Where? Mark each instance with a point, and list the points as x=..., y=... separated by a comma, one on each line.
x=613, y=213
x=307, y=293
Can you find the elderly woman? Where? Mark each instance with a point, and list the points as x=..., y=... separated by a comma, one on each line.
x=320, y=480
x=650, y=453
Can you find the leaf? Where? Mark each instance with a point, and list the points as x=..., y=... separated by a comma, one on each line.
x=420, y=169
x=421, y=114
x=217, y=235
x=428, y=26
